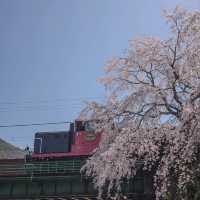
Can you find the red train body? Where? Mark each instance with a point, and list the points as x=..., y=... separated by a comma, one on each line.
x=83, y=141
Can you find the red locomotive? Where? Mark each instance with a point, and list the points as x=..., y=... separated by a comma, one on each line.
x=79, y=141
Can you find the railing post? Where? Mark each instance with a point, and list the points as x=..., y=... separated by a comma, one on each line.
x=73, y=165
x=40, y=168
x=48, y=166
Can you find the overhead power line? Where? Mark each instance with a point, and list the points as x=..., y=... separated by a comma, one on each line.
x=37, y=109
x=33, y=124
x=46, y=101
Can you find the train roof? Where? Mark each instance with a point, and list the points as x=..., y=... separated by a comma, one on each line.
x=52, y=133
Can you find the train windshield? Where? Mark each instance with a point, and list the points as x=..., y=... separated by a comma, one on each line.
x=88, y=125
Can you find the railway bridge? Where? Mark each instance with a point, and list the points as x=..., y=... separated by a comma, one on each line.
x=59, y=180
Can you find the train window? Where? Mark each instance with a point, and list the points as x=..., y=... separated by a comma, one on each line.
x=89, y=126
x=84, y=126
x=79, y=126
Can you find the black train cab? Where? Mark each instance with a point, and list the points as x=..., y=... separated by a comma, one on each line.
x=52, y=142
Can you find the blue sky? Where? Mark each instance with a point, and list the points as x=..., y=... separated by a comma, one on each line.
x=52, y=52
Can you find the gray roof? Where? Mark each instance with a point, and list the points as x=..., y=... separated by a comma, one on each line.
x=8, y=151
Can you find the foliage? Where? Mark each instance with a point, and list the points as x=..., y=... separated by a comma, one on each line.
x=152, y=111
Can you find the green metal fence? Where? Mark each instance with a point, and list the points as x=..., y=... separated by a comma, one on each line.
x=54, y=167
x=38, y=168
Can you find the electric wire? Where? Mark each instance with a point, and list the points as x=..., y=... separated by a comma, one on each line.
x=34, y=124
x=44, y=105
x=40, y=109
x=51, y=100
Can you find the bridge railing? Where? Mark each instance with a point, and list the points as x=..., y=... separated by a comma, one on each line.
x=46, y=167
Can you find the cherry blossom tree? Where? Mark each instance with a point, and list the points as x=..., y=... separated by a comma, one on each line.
x=152, y=112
